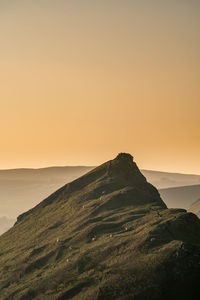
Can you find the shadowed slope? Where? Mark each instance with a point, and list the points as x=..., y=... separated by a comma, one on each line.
x=106, y=235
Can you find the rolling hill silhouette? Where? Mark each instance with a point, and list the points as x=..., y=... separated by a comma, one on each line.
x=5, y=224
x=195, y=207
x=106, y=235
x=182, y=196
x=22, y=189
x=162, y=180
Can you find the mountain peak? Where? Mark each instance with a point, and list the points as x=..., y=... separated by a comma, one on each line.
x=124, y=157
x=124, y=168
x=100, y=237
x=117, y=184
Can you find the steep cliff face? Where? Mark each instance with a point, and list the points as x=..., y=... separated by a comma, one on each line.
x=106, y=235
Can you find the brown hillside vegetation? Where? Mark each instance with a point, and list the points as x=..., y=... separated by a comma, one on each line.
x=106, y=235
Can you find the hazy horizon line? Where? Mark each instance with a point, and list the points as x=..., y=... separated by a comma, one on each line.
x=88, y=166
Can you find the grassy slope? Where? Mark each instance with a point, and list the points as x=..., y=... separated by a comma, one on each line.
x=107, y=235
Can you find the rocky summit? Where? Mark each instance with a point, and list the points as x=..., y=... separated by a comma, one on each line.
x=106, y=235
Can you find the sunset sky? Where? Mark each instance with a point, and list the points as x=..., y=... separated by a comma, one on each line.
x=82, y=80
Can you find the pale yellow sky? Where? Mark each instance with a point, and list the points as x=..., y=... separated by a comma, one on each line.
x=84, y=80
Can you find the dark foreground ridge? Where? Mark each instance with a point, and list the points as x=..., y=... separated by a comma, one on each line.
x=106, y=235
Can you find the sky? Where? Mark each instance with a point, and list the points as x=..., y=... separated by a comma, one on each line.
x=82, y=81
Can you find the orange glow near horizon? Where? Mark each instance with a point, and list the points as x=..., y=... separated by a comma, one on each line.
x=81, y=82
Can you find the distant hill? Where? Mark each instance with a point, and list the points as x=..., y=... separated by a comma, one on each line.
x=180, y=196
x=165, y=180
x=107, y=235
x=195, y=207
x=21, y=189
x=5, y=224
